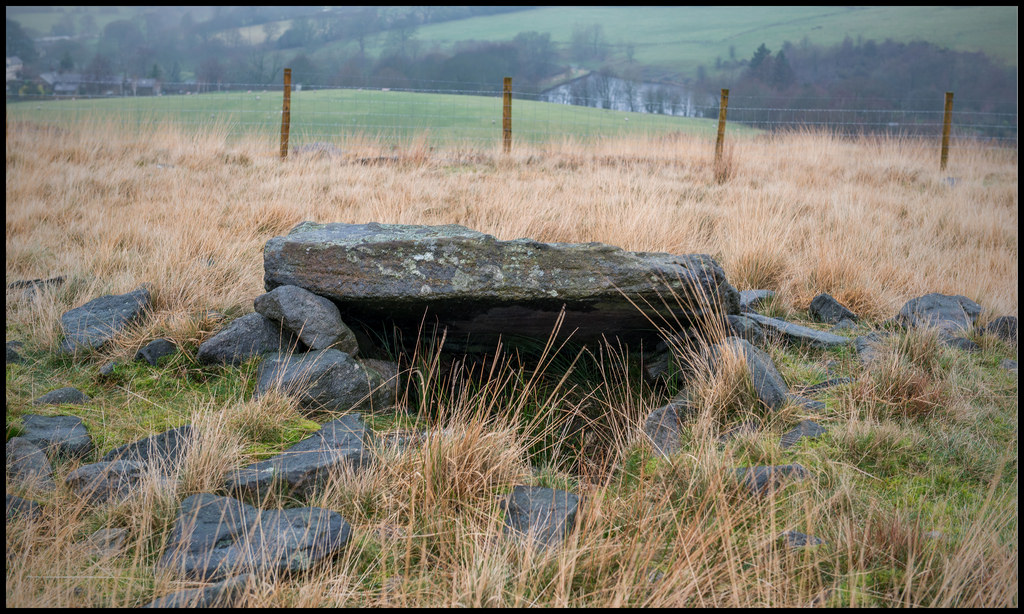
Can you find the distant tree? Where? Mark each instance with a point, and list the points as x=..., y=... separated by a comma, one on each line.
x=270, y=30
x=536, y=54
x=760, y=55
x=210, y=72
x=588, y=42
x=782, y=72
x=19, y=43
x=67, y=64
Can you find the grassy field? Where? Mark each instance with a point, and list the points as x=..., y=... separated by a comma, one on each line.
x=334, y=115
x=914, y=487
x=678, y=39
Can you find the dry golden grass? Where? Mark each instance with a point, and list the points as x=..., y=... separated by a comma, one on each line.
x=870, y=221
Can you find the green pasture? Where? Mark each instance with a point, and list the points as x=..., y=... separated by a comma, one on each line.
x=336, y=115
x=678, y=39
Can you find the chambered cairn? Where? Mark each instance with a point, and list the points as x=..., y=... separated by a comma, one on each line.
x=478, y=288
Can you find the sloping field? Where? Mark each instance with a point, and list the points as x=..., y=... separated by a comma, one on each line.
x=332, y=115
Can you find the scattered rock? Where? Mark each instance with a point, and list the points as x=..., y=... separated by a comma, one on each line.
x=328, y=380
x=61, y=436
x=664, y=426
x=796, y=334
x=95, y=323
x=746, y=328
x=543, y=514
x=315, y=320
x=16, y=506
x=1009, y=364
x=215, y=537
x=32, y=284
x=768, y=383
x=224, y=594
x=1004, y=327
x=951, y=314
x=106, y=543
x=762, y=479
x=796, y=539
x=341, y=443
x=27, y=464
x=959, y=343
x=829, y=383
x=386, y=372
x=68, y=395
x=804, y=402
x=747, y=427
x=248, y=336
x=12, y=352
x=155, y=350
x=108, y=368
x=106, y=480
x=826, y=309
x=806, y=428
x=475, y=284
x=845, y=324
x=165, y=451
x=867, y=346
x=751, y=300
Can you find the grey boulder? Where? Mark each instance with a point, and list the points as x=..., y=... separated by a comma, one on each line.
x=324, y=380
x=155, y=350
x=244, y=338
x=796, y=334
x=824, y=308
x=67, y=395
x=544, y=515
x=481, y=287
x=345, y=442
x=215, y=537
x=1004, y=327
x=27, y=464
x=771, y=389
x=61, y=436
x=948, y=313
x=314, y=319
x=95, y=323
x=751, y=300
x=664, y=426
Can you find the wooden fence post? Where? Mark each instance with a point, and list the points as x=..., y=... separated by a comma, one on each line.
x=286, y=112
x=946, y=123
x=721, y=127
x=506, y=115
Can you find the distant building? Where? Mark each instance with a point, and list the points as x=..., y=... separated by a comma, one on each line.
x=144, y=87
x=62, y=83
x=14, y=66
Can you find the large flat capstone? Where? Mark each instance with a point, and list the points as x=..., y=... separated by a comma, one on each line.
x=474, y=284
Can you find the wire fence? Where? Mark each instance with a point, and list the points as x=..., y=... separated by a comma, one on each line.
x=445, y=114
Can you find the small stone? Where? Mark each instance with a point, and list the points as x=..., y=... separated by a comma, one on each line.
x=543, y=514
x=244, y=338
x=1009, y=364
x=796, y=334
x=796, y=539
x=960, y=343
x=747, y=427
x=16, y=506
x=1004, y=327
x=106, y=481
x=829, y=383
x=751, y=300
x=314, y=319
x=224, y=594
x=155, y=350
x=108, y=542
x=762, y=479
x=827, y=309
x=95, y=323
x=950, y=313
x=62, y=436
x=27, y=464
x=67, y=395
x=806, y=428
x=12, y=352
x=844, y=325
x=663, y=427
x=108, y=368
